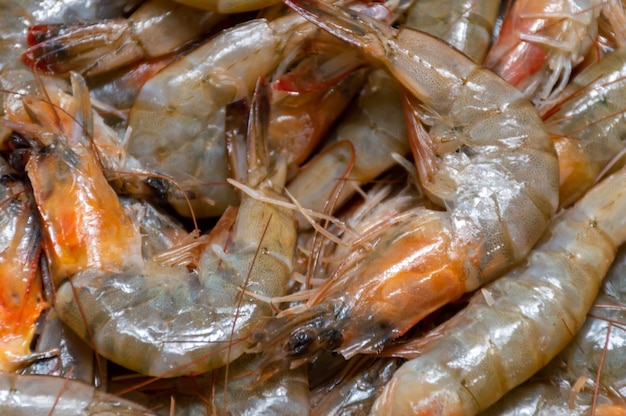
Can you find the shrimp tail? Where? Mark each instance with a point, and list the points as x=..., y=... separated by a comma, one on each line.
x=57, y=49
x=349, y=26
x=318, y=72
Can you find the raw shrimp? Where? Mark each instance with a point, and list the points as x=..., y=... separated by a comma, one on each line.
x=516, y=325
x=167, y=321
x=476, y=161
x=120, y=88
x=588, y=125
x=177, y=121
x=164, y=239
x=85, y=224
x=541, y=42
x=596, y=355
x=375, y=130
x=157, y=28
x=466, y=25
x=353, y=392
x=21, y=297
x=61, y=353
x=302, y=117
x=229, y=390
x=56, y=396
x=74, y=116
x=360, y=148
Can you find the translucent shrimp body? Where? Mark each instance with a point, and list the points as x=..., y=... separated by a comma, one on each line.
x=476, y=161
x=177, y=121
x=588, y=124
x=56, y=396
x=466, y=25
x=361, y=147
x=515, y=326
x=596, y=355
x=17, y=15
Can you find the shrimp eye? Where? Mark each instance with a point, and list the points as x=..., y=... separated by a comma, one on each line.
x=300, y=341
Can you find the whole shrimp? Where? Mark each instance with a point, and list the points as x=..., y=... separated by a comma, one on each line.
x=177, y=121
x=55, y=396
x=21, y=297
x=475, y=160
x=360, y=148
x=466, y=25
x=156, y=28
x=587, y=124
x=516, y=325
x=235, y=390
x=588, y=372
x=541, y=42
x=168, y=321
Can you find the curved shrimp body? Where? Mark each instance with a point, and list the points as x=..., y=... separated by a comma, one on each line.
x=21, y=298
x=587, y=124
x=177, y=120
x=541, y=42
x=51, y=396
x=157, y=28
x=596, y=355
x=465, y=25
x=475, y=161
x=196, y=321
x=515, y=326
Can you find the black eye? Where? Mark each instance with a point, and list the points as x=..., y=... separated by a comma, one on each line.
x=300, y=341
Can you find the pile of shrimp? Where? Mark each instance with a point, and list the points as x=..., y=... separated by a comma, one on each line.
x=392, y=207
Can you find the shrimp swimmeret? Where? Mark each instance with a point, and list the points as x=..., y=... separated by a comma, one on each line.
x=475, y=160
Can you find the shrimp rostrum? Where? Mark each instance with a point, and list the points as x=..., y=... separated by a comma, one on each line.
x=476, y=160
